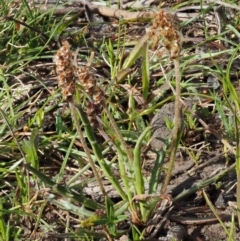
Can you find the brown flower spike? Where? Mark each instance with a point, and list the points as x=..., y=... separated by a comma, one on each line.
x=163, y=27
x=67, y=74
x=65, y=70
x=89, y=84
x=96, y=94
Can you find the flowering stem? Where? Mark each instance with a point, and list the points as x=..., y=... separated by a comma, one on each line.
x=119, y=135
x=178, y=123
x=85, y=147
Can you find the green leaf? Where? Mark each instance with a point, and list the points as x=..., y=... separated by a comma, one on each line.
x=29, y=147
x=135, y=53
x=145, y=71
x=111, y=216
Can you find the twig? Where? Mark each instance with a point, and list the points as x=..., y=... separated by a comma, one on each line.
x=78, y=7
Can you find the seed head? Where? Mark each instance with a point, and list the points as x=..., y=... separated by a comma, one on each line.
x=164, y=28
x=65, y=70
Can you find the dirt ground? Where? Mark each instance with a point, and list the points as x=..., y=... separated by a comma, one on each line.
x=193, y=212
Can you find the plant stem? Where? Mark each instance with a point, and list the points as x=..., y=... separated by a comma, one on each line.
x=119, y=135
x=85, y=147
x=98, y=154
x=178, y=122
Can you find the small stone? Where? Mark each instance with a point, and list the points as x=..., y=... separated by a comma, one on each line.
x=178, y=232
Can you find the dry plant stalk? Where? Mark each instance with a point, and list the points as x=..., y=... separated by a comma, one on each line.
x=65, y=70
x=165, y=30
